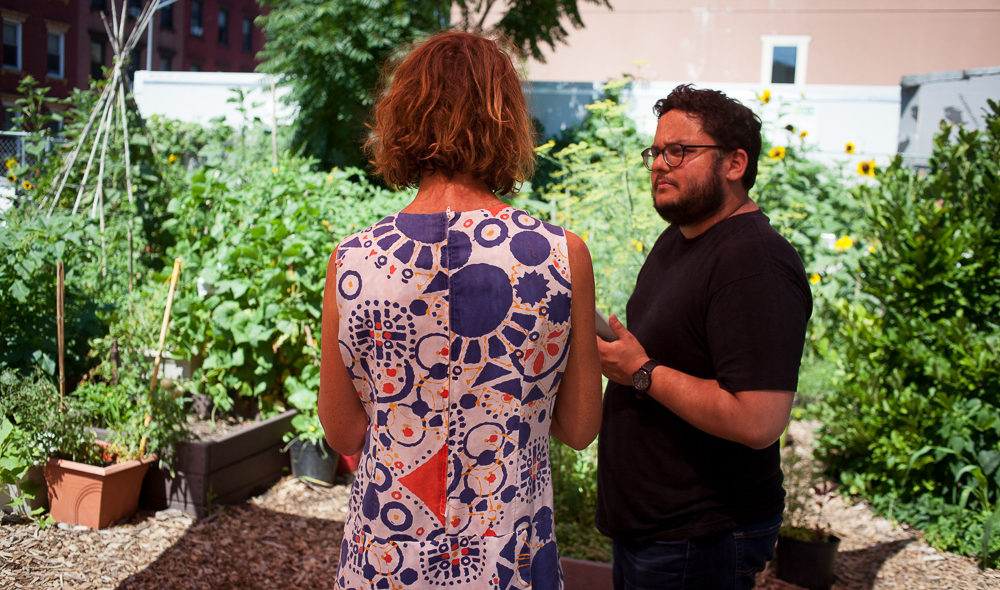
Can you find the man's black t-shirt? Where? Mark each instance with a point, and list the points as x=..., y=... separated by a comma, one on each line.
x=730, y=305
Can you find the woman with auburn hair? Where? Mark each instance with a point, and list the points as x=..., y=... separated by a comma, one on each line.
x=457, y=335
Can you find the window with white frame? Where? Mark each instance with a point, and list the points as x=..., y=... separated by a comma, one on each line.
x=784, y=58
x=11, y=44
x=55, y=54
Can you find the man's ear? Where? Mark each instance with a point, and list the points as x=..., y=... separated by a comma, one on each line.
x=736, y=164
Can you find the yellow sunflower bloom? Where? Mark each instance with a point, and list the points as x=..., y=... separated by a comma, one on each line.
x=11, y=164
x=12, y=178
x=803, y=134
x=171, y=158
x=764, y=97
x=866, y=168
x=27, y=185
x=844, y=243
x=849, y=148
x=777, y=152
x=815, y=278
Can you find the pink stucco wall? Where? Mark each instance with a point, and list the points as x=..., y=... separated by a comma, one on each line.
x=853, y=42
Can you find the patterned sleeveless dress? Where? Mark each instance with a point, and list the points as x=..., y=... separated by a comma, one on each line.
x=454, y=327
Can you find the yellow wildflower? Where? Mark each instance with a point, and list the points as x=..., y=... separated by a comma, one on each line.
x=274, y=170
x=171, y=159
x=777, y=152
x=11, y=164
x=583, y=237
x=803, y=134
x=764, y=97
x=844, y=243
x=814, y=278
x=27, y=185
x=12, y=178
x=637, y=245
x=849, y=148
x=866, y=168
x=871, y=249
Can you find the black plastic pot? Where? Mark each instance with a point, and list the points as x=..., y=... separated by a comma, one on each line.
x=313, y=462
x=806, y=563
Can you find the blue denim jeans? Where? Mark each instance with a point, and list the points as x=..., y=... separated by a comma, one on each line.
x=729, y=560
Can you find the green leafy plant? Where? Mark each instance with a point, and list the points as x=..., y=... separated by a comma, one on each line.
x=916, y=408
x=26, y=404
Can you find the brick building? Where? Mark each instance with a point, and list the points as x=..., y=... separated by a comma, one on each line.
x=63, y=43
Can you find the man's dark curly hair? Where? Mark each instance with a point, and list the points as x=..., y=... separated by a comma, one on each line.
x=726, y=119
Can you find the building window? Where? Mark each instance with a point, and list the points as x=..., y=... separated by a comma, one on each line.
x=55, y=55
x=134, y=8
x=11, y=44
x=96, y=59
x=224, y=27
x=783, y=59
x=196, y=26
x=167, y=18
x=247, y=35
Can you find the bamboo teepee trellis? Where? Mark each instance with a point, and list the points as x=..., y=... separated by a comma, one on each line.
x=110, y=102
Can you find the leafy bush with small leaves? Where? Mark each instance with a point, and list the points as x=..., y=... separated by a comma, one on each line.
x=916, y=408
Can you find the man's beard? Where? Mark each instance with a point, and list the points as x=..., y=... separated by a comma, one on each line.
x=699, y=202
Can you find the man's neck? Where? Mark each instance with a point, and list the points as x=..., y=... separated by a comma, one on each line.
x=735, y=203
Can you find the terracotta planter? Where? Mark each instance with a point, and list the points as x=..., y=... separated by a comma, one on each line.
x=226, y=470
x=94, y=496
x=806, y=563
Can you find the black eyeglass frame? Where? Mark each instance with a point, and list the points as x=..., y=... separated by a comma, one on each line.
x=649, y=157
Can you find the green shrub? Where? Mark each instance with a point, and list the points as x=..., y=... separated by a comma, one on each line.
x=916, y=408
x=254, y=244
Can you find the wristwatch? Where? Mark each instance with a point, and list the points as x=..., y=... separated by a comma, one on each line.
x=643, y=376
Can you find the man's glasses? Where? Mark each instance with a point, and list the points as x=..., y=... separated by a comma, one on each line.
x=673, y=153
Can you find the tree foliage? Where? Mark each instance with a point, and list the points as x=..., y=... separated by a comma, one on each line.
x=331, y=51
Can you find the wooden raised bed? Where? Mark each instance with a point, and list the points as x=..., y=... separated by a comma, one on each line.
x=226, y=470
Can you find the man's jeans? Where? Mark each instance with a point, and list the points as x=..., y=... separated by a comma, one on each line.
x=729, y=560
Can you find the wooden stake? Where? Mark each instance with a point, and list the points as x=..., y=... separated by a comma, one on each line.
x=166, y=323
x=159, y=349
x=60, y=331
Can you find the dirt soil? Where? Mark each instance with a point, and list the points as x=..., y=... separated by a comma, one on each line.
x=289, y=537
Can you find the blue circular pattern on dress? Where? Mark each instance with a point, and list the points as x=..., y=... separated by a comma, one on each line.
x=415, y=227
x=530, y=248
x=396, y=516
x=349, y=284
x=524, y=221
x=490, y=233
x=481, y=296
x=459, y=249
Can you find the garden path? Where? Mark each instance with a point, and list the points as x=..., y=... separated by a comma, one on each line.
x=289, y=537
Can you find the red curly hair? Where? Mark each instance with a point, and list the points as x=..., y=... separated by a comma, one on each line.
x=452, y=104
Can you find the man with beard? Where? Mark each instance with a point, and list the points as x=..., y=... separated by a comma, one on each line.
x=702, y=381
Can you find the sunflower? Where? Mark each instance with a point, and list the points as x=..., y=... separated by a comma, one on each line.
x=171, y=158
x=866, y=168
x=12, y=178
x=11, y=164
x=27, y=185
x=764, y=97
x=777, y=152
x=849, y=148
x=803, y=134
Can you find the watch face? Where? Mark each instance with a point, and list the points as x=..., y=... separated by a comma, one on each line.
x=641, y=379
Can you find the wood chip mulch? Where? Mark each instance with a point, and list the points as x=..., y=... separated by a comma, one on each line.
x=289, y=537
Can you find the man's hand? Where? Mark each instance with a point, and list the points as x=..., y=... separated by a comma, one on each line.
x=621, y=358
